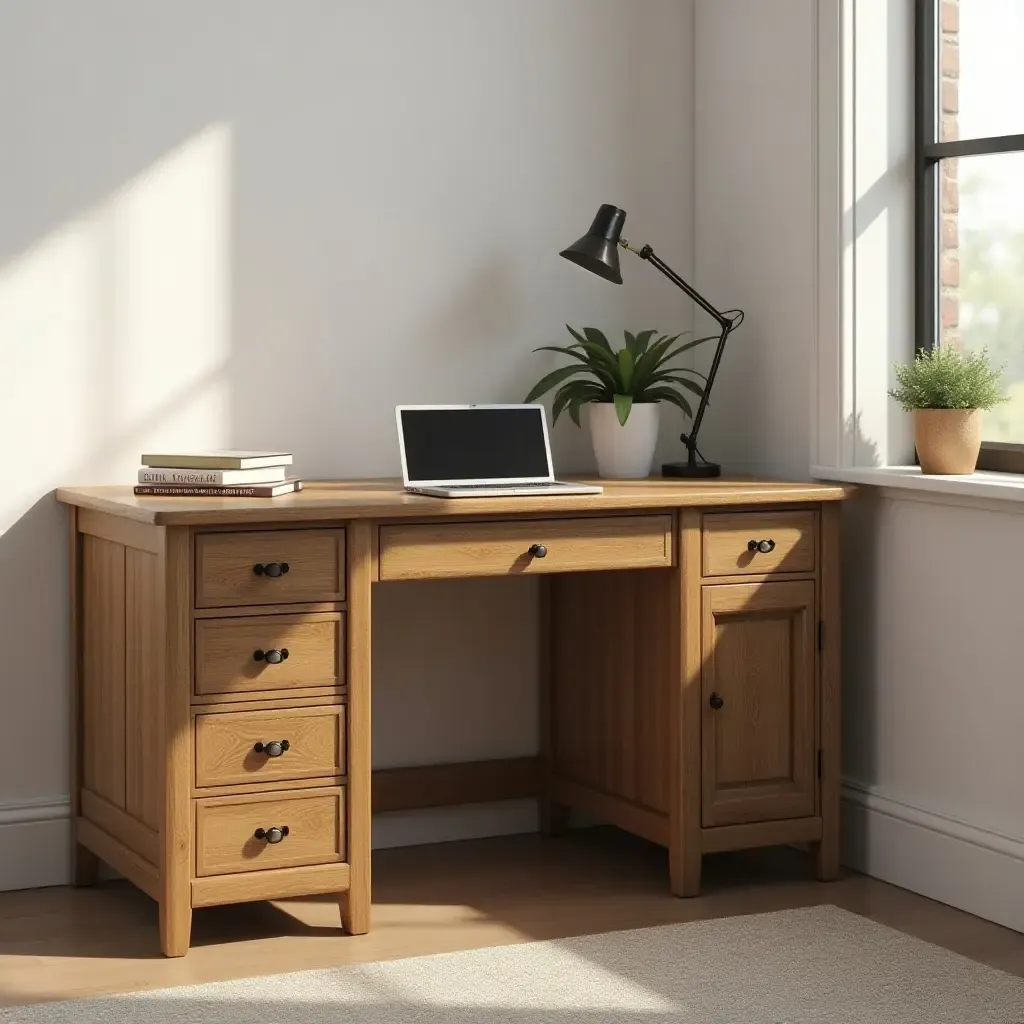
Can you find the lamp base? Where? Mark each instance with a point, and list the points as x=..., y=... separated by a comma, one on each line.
x=691, y=470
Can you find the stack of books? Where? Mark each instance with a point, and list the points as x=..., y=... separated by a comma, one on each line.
x=217, y=474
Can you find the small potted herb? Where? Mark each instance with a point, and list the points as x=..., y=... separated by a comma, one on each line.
x=622, y=389
x=947, y=390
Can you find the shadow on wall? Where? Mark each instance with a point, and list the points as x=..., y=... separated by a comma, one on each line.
x=865, y=449
x=33, y=554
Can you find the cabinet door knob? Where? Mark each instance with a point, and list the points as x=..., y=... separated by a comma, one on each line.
x=716, y=702
x=272, y=569
x=538, y=551
x=764, y=546
x=272, y=657
x=272, y=835
x=275, y=748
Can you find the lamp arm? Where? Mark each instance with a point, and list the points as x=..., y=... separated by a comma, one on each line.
x=724, y=322
x=647, y=253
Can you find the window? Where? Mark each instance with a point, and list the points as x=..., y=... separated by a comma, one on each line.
x=970, y=196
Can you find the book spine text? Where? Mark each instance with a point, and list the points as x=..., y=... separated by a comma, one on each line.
x=255, y=491
x=181, y=477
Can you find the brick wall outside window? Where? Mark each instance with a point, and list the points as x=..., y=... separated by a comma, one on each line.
x=949, y=189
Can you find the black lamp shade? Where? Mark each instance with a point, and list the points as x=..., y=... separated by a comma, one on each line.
x=598, y=250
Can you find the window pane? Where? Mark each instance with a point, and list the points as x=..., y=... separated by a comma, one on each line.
x=982, y=272
x=981, y=67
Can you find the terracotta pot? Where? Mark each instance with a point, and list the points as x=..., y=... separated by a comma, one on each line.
x=947, y=440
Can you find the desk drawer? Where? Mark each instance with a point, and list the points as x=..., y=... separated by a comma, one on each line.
x=269, y=567
x=269, y=652
x=500, y=548
x=792, y=537
x=232, y=832
x=310, y=745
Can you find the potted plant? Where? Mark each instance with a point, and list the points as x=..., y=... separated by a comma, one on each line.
x=622, y=389
x=947, y=390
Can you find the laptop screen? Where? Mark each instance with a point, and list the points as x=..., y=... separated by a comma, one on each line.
x=482, y=444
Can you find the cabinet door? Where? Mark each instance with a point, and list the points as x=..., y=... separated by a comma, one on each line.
x=759, y=747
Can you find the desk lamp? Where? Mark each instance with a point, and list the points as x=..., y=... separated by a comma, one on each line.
x=597, y=251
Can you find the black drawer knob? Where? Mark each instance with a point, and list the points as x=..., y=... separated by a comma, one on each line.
x=538, y=551
x=275, y=748
x=716, y=702
x=272, y=657
x=271, y=569
x=271, y=835
x=764, y=546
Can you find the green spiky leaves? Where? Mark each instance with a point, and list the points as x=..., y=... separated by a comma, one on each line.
x=637, y=372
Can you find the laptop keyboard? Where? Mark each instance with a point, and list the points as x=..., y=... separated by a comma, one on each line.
x=491, y=487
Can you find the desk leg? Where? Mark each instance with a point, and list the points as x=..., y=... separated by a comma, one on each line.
x=86, y=865
x=355, y=904
x=176, y=850
x=827, y=849
x=554, y=817
x=685, y=712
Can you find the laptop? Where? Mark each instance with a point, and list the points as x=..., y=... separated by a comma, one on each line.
x=478, y=451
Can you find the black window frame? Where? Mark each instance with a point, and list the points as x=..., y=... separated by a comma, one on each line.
x=930, y=152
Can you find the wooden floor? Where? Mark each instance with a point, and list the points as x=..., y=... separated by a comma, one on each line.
x=61, y=943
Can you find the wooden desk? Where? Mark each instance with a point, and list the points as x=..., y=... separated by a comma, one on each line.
x=689, y=676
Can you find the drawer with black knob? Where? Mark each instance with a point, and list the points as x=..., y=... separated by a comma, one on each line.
x=524, y=546
x=268, y=653
x=253, y=833
x=269, y=567
x=284, y=745
x=752, y=543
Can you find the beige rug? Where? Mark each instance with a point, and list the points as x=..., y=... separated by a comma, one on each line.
x=819, y=965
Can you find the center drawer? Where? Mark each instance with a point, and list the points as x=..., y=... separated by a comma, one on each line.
x=252, y=833
x=269, y=746
x=431, y=551
x=269, y=653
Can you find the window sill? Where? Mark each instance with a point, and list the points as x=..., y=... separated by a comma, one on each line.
x=979, y=490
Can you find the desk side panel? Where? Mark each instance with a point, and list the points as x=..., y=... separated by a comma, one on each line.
x=119, y=790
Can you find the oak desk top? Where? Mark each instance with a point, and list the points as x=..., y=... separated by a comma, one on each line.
x=386, y=499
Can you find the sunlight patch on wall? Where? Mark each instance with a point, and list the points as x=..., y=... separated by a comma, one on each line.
x=878, y=218
x=116, y=327
x=170, y=314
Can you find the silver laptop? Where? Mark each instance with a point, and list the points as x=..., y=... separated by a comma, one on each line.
x=478, y=451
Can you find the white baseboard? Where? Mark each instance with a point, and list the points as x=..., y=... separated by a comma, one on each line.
x=931, y=853
x=35, y=844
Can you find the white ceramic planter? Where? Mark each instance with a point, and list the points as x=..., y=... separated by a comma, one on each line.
x=623, y=452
